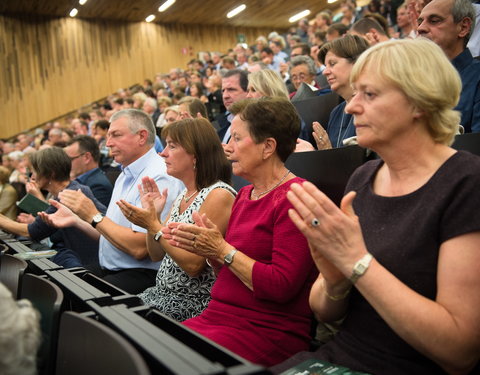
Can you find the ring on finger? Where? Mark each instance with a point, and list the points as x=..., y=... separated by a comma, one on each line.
x=315, y=222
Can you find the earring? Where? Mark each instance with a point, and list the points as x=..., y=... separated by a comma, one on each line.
x=194, y=165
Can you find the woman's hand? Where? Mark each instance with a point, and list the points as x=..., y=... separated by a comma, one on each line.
x=334, y=234
x=203, y=238
x=149, y=193
x=25, y=218
x=80, y=204
x=321, y=137
x=303, y=146
x=145, y=217
x=31, y=187
x=62, y=218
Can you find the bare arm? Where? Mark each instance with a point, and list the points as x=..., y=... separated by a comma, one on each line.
x=11, y=226
x=191, y=263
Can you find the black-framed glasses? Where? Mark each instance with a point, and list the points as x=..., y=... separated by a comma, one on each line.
x=72, y=158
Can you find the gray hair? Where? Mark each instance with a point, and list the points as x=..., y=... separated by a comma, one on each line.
x=151, y=102
x=303, y=60
x=462, y=9
x=137, y=120
x=20, y=335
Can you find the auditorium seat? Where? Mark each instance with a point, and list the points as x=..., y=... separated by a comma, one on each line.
x=328, y=170
x=47, y=298
x=11, y=272
x=468, y=142
x=86, y=346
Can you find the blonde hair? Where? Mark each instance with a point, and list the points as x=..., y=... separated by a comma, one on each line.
x=268, y=83
x=420, y=69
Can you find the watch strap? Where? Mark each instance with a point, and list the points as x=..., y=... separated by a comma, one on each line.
x=361, y=267
x=158, y=235
x=228, y=259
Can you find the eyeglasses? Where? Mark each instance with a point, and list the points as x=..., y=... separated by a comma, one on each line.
x=72, y=158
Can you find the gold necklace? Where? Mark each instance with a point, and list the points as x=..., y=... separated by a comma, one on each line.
x=256, y=196
x=186, y=199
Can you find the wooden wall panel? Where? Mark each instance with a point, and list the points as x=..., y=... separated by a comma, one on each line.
x=51, y=66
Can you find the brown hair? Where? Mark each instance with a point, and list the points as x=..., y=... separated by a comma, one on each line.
x=198, y=137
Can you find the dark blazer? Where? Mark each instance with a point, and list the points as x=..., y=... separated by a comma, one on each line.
x=98, y=184
x=223, y=125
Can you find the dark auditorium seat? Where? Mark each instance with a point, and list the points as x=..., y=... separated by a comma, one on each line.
x=11, y=272
x=329, y=170
x=47, y=298
x=468, y=142
x=86, y=346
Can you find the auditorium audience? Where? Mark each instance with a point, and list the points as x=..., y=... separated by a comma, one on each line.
x=399, y=259
x=20, y=335
x=194, y=155
x=260, y=299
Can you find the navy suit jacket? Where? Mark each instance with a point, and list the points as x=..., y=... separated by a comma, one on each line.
x=223, y=125
x=98, y=184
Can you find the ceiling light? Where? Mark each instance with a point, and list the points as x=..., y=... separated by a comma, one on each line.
x=81, y=2
x=150, y=18
x=298, y=16
x=331, y=1
x=73, y=12
x=235, y=11
x=166, y=5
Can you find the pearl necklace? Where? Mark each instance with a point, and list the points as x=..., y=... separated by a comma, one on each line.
x=186, y=199
x=257, y=196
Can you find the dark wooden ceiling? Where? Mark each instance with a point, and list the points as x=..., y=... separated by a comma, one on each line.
x=259, y=13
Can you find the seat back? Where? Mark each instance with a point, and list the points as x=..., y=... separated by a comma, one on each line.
x=11, y=272
x=328, y=170
x=86, y=346
x=47, y=298
x=468, y=142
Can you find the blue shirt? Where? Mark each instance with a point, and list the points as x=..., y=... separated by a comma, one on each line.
x=126, y=187
x=340, y=125
x=469, y=104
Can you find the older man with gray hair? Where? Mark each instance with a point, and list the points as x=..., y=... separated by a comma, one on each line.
x=123, y=255
x=449, y=23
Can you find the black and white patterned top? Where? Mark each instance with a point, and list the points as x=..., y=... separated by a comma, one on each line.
x=176, y=294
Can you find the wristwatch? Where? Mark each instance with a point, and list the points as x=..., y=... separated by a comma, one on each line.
x=361, y=267
x=228, y=259
x=158, y=235
x=97, y=219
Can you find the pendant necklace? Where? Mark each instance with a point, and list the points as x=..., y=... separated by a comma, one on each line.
x=186, y=199
x=339, y=138
x=257, y=196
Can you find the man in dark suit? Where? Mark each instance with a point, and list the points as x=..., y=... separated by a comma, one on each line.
x=84, y=153
x=234, y=88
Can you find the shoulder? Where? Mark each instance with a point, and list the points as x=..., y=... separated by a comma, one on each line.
x=219, y=194
x=363, y=175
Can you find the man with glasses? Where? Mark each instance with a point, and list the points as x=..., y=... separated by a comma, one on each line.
x=84, y=153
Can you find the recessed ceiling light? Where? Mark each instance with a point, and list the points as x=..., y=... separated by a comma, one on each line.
x=298, y=16
x=150, y=18
x=81, y=2
x=235, y=11
x=73, y=12
x=166, y=5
